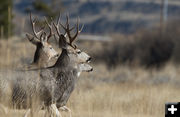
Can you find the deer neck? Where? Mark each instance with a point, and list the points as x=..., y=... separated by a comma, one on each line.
x=63, y=60
x=39, y=56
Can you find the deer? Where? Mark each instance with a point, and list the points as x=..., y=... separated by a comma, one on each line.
x=53, y=85
x=44, y=51
x=80, y=67
x=75, y=60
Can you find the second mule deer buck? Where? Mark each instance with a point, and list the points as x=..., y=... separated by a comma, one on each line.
x=44, y=51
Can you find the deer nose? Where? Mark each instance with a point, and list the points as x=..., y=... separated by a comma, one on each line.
x=90, y=70
x=89, y=59
x=56, y=56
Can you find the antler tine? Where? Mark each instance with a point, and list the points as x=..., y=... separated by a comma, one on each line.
x=33, y=22
x=57, y=25
x=67, y=28
x=59, y=17
x=77, y=31
x=81, y=28
x=50, y=28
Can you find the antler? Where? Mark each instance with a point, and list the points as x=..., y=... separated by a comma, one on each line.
x=33, y=22
x=68, y=30
x=57, y=25
x=50, y=28
x=58, y=30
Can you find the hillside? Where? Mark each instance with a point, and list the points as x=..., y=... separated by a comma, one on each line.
x=110, y=16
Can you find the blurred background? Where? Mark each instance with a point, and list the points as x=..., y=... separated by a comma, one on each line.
x=135, y=45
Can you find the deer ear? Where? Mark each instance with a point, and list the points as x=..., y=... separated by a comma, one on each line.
x=43, y=37
x=62, y=42
x=32, y=39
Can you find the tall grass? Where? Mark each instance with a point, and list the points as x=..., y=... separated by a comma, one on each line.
x=122, y=92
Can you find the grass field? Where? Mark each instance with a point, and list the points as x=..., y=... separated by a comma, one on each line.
x=121, y=92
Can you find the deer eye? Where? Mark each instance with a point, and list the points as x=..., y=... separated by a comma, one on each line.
x=79, y=52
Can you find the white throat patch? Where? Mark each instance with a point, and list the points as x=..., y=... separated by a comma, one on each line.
x=78, y=74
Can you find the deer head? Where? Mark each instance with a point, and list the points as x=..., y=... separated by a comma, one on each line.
x=44, y=51
x=66, y=42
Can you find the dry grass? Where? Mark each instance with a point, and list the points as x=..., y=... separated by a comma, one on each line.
x=124, y=100
x=14, y=51
x=122, y=92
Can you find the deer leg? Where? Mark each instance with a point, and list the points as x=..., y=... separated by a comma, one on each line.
x=65, y=108
x=27, y=113
x=53, y=110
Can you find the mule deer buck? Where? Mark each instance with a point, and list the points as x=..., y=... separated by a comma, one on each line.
x=43, y=54
x=67, y=67
x=44, y=51
x=71, y=50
